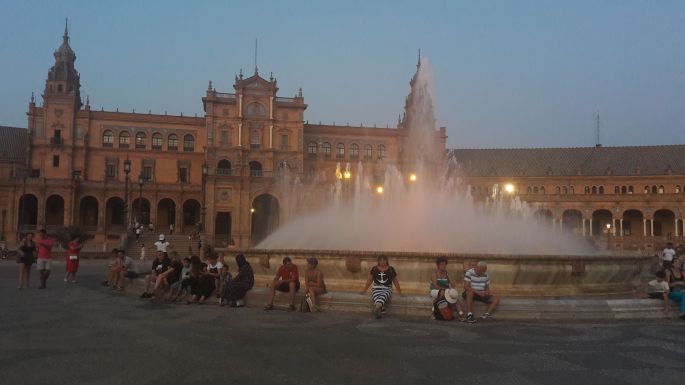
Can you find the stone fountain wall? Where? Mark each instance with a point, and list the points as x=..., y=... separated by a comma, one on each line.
x=510, y=275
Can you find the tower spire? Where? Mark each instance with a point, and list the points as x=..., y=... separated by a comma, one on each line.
x=418, y=63
x=65, y=38
x=256, y=71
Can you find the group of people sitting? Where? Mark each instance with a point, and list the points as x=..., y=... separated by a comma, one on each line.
x=669, y=282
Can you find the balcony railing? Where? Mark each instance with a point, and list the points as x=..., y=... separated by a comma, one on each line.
x=224, y=171
x=256, y=173
x=56, y=141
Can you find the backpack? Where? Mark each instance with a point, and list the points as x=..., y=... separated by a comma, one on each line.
x=442, y=311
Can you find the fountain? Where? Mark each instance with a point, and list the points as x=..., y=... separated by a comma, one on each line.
x=421, y=209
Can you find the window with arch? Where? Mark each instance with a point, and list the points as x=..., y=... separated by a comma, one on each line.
x=646, y=190
x=661, y=189
x=255, y=109
x=340, y=151
x=223, y=167
x=587, y=189
x=529, y=190
x=624, y=189
x=107, y=139
x=564, y=190
x=285, y=141
x=59, y=88
x=255, y=140
x=124, y=139
x=542, y=190
x=601, y=190
x=654, y=190
x=172, y=144
x=630, y=189
x=594, y=189
x=311, y=148
x=381, y=151
x=326, y=149
x=558, y=189
x=677, y=189
x=188, y=143
x=535, y=190
x=354, y=151
x=617, y=190
x=571, y=190
x=157, y=141
x=368, y=152
x=255, y=168
x=140, y=140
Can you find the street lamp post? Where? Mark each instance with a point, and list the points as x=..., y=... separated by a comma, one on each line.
x=127, y=170
x=205, y=172
x=141, y=181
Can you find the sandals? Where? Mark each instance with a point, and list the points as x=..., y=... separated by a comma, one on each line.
x=269, y=307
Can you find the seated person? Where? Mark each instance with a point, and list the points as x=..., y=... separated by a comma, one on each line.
x=658, y=288
x=160, y=264
x=440, y=282
x=313, y=283
x=119, y=270
x=177, y=288
x=236, y=288
x=202, y=287
x=477, y=287
x=215, y=269
x=168, y=278
x=286, y=280
x=444, y=304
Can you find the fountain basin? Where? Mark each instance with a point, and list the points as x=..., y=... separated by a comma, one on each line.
x=510, y=275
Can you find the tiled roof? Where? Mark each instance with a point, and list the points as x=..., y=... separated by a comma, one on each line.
x=13, y=142
x=593, y=161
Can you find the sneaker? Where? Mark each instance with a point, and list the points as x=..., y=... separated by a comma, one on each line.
x=469, y=318
x=269, y=307
x=240, y=303
x=485, y=316
x=66, y=280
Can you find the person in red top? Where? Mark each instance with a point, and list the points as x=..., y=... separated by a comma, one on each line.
x=286, y=280
x=44, y=244
x=75, y=246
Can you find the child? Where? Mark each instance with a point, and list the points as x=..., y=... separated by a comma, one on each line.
x=658, y=288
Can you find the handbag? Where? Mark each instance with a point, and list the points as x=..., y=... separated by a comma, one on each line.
x=443, y=311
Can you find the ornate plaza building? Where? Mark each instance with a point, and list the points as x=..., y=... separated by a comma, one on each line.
x=219, y=173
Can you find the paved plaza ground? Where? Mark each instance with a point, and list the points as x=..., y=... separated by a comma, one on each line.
x=86, y=334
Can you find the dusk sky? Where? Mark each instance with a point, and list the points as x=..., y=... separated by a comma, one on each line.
x=506, y=73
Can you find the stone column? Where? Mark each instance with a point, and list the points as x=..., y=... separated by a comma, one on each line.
x=583, y=219
x=561, y=225
x=240, y=134
x=676, y=227
x=271, y=135
x=621, y=224
x=590, y=233
x=651, y=221
x=644, y=227
x=613, y=226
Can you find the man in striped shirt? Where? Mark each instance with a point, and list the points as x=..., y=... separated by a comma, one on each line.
x=477, y=287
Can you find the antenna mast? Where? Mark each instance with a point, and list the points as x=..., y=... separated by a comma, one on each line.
x=255, y=56
x=597, y=143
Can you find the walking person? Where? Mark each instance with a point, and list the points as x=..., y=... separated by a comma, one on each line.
x=73, y=254
x=382, y=276
x=27, y=249
x=44, y=245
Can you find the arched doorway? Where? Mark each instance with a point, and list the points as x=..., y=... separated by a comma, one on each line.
x=223, y=167
x=166, y=214
x=88, y=213
x=115, y=217
x=600, y=219
x=572, y=221
x=664, y=223
x=265, y=217
x=544, y=217
x=633, y=223
x=141, y=210
x=191, y=214
x=54, y=212
x=28, y=212
x=222, y=228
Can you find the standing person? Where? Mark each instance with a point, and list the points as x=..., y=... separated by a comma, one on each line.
x=236, y=289
x=287, y=280
x=676, y=284
x=313, y=283
x=44, y=244
x=151, y=227
x=382, y=276
x=142, y=251
x=667, y=256
x=171, y=229
x=27, y=248
x=138, y=231
x=477, y=287
x=162, y=245
x=73, y=253
x=440, y=283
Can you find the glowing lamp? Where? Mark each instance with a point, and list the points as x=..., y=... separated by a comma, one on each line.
x=252, y=210
x=347, y=174
x=412, y=177
x=509, y=188
x=379, y=189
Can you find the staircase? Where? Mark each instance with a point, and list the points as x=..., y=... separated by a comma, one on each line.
x=179, y=243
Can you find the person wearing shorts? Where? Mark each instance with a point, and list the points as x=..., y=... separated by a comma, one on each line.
x=44, y=245
x=477, y=288
x=287, y=280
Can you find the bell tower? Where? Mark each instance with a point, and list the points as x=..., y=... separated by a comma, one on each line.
x=63, y=82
